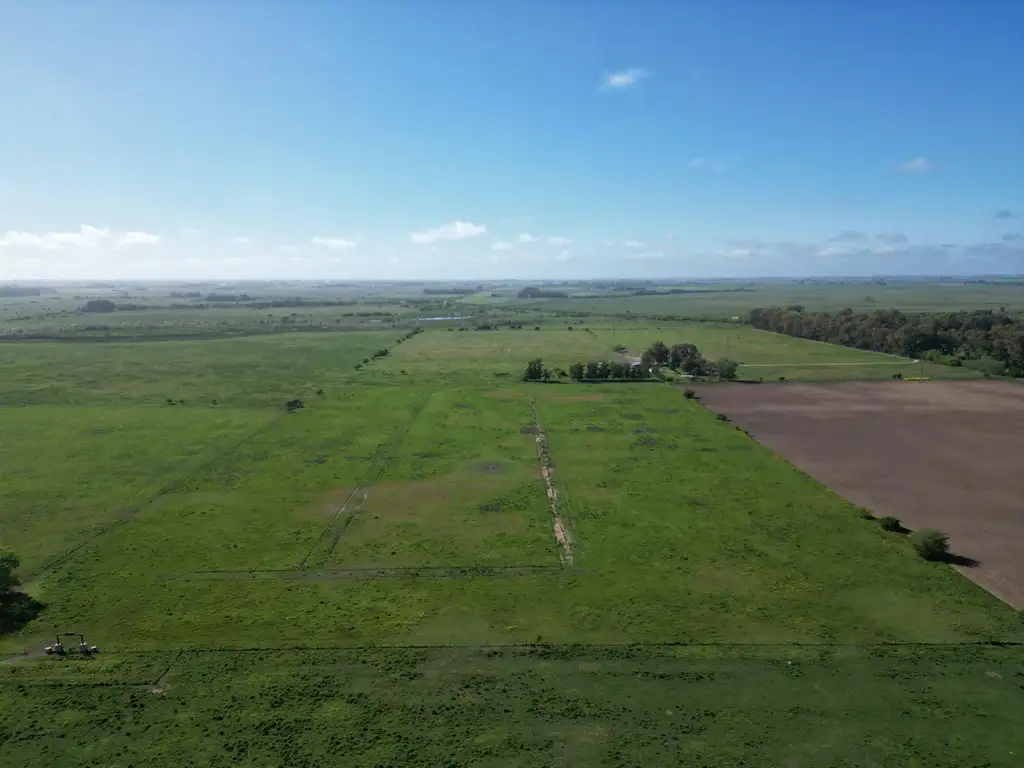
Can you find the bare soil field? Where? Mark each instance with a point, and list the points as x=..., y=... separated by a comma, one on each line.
x=948, y=455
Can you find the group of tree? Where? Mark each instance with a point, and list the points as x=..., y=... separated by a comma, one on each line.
x=99, y=305
x=16, y=608
x=533, y=292
x=983, y=339
x=687, y=359
x=608, y=370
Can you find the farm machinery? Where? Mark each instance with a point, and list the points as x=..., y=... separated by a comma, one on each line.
x=59, y=648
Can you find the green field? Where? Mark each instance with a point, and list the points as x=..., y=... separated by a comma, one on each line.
x=375, y=578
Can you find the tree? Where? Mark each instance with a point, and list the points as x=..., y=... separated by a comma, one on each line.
x=576, y=371
x=9, y=563
x=294, y=405
x=659, y=353
x=99, y=305
x=16, y=608
x=727, y=368
x=930, y=543
x=593, y=369
x=534, y=370
x=679, y=354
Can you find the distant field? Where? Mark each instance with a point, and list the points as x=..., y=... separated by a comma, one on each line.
x=263, y=370
x=719, y=301
x=771, y=355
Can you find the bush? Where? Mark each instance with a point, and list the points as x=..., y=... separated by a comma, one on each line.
x=689, y=394
x=930, y=543
x=890, y=523
x=782, y=378
x=722, y=417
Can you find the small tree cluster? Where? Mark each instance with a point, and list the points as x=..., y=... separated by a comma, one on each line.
x=687, y=359
x=535, y=371
x=294, y=405
x=608, y=370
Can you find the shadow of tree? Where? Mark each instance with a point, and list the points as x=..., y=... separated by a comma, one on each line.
x=961, y=560
x=16, y=610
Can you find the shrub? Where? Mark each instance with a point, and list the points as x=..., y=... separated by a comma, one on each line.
x=782, y=378
x=689, y=394
x=890, y=523
x=722, y=417
x=897, y=376
x=930, y=543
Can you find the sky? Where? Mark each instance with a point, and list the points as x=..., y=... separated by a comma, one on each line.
x=484, y=140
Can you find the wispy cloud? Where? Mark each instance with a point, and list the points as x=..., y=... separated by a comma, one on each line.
x=501, y=246
x=708, y=164
x=457, y=230
x=526, y=237
x=848, y=236
x=917, y=165
x=645, y=255
x=1013, y=237
x=86, y=237
x=633, y=244
x=559, y=241
x=564, y=256
x=892, y=238
x=624, y=78
x=242, y=240
x=131, y=239
x=333, y=243
x=1004, y=214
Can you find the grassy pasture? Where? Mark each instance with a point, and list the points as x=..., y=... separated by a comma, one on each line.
x=463, y=489
x=253, y=371
x=714, y=707
x=249, y=617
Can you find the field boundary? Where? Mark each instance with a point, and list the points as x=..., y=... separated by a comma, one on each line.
x=378, y=464
x=372, y=574
x=133, y=512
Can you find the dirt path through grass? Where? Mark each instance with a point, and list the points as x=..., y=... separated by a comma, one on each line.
x=562, y=535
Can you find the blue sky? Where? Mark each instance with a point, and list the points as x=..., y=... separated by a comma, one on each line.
x=561, y=139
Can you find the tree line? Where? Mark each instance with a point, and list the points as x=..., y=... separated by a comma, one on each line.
x=989, y=341
x=681, y=358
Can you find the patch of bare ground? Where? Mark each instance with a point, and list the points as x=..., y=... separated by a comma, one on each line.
x=547, y=470
x=946, y=455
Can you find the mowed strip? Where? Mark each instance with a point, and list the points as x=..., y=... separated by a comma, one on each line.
x=939, y=454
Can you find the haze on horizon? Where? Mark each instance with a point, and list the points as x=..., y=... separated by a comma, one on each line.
x=450, y=140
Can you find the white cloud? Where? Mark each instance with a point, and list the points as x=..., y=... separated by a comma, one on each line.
x=333, y=243
x=501, y=246
x=633, y=244
x=457, y=230
x=708, y=164
x=86, y=237
x=564, y=256
x=242, y=240
x=130, y=239
x=559, y=240
x=526, y=237
x=625, y=78
x=289, y=249
x=917, y=165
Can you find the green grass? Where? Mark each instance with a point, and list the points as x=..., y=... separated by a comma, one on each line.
x=364, y=582
x=253, y=371
x=584, y=707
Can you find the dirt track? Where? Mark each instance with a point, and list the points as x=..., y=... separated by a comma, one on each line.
x=944, y=454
